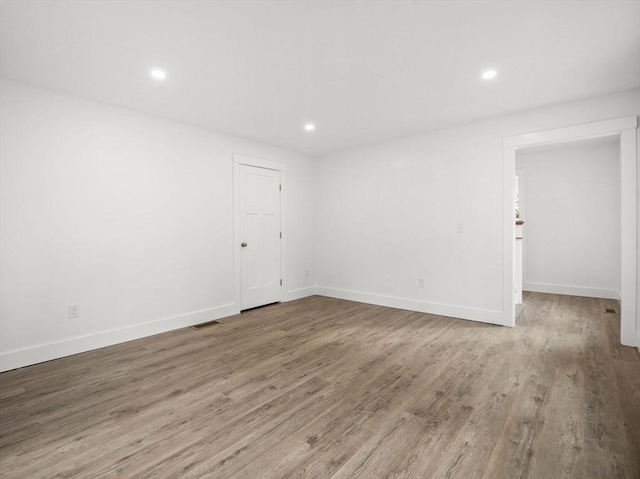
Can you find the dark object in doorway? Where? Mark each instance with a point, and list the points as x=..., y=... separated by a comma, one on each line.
x=204, y=325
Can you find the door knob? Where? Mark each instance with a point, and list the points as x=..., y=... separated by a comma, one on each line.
x=244, y=245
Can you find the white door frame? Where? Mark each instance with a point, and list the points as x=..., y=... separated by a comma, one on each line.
x=239, y=159
x=625, y=129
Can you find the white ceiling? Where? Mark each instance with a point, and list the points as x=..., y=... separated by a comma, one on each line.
x=362, y=71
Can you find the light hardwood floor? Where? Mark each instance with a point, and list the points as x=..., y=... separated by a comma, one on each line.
x=325, y=388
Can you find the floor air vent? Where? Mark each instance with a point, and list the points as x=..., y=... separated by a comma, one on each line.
x=204, y=325
x=610, y=310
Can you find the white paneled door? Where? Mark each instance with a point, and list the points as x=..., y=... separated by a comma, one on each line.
x=260, y=236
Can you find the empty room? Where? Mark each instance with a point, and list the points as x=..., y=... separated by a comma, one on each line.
x=319, y=239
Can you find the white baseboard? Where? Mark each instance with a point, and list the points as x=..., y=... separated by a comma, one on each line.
x=46, y=352
x=299, y=293
x=459, y=312
x=572, y=290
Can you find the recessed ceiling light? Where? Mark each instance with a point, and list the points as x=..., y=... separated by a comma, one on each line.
x=488, y=75
x=158, y=74
x=309, y=127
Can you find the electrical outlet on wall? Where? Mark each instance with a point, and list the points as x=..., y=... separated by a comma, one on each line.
x=420, y=282
x=306, y=273
x=74, y=311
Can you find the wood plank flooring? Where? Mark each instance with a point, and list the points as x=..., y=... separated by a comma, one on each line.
x=325, y=388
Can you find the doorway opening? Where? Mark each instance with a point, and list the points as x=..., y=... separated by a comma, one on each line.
x=625, y=130
x=570, y=206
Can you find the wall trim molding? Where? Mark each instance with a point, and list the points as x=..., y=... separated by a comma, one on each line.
x=20, y=358
x=596, y=129
x=585, y=291
x=457, y=312
x=299, y=293
x=67, y=347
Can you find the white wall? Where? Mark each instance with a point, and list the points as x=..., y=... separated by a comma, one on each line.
x=131, y=216
x=128, y=215
x=387, y=214
x=571, y=209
